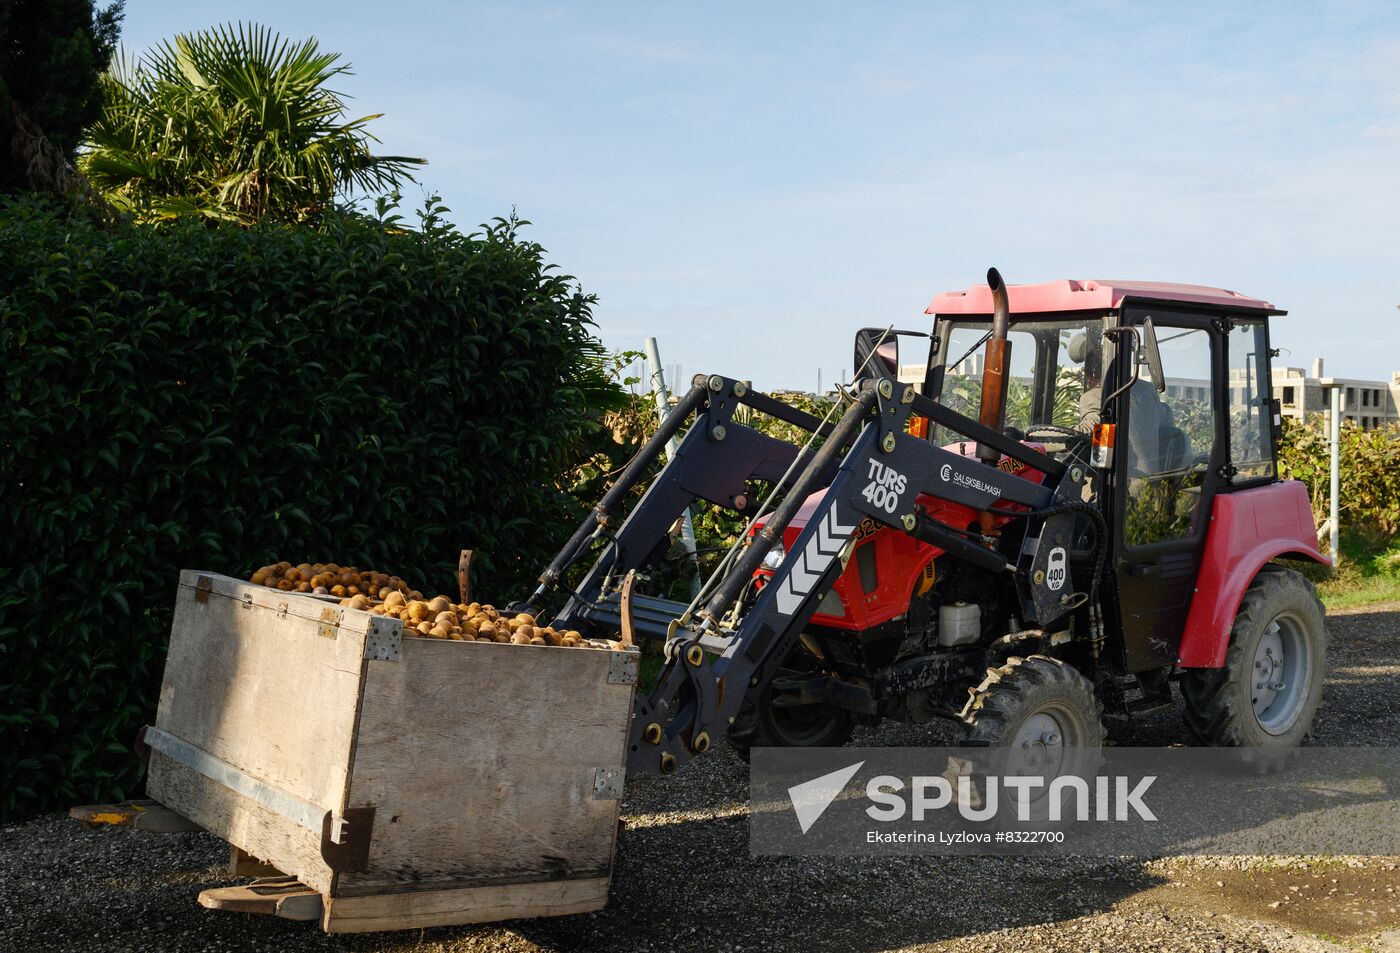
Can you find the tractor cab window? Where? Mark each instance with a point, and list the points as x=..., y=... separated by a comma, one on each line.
x=1250, y=407
x=1170, y=437
x=1055, y=387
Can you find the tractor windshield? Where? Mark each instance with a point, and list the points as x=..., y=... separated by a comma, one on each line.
x=1055, y=373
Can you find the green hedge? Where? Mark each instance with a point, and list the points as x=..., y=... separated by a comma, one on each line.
x=218, y=398
x=1369, y=471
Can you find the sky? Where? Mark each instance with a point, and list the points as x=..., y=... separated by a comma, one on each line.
x=751, y=182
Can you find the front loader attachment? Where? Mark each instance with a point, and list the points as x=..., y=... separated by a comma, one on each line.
x=725, y=647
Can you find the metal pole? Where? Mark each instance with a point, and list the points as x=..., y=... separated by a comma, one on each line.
x=663, y=408
x=1336, y=469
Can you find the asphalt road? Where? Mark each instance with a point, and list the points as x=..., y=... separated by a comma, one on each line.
x=685, y=879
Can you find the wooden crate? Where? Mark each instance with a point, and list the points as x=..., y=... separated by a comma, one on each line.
x=411, y=782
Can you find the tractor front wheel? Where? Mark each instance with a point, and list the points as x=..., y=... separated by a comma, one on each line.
x=1043, y=715
x=1036, y=700
x=1269, y=689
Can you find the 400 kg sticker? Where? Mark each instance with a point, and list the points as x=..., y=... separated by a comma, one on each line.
x=885, y=488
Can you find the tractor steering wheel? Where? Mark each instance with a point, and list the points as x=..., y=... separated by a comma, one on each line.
x=1068, y=432
x=1074, y=441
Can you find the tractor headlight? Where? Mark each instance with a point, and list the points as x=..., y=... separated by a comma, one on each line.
x=775, y=556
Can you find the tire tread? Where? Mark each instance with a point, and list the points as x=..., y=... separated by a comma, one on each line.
x=1212, y=713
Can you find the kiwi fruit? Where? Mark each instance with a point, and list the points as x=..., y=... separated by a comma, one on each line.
x=437, y=617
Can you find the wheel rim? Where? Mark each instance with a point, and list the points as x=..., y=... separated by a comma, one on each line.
x=1039, y=745
x=1281, y=674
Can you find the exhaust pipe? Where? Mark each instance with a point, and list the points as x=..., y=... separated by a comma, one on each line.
x=997, y=370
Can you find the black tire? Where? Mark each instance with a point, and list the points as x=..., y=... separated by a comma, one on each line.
x=1011, y=695
x=1015, y=714
x=806, y=726
x=1221, y=704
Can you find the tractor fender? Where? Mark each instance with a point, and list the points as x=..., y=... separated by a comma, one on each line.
x=1247, y=528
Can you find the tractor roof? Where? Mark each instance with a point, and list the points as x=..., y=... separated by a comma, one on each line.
x=1092, y=295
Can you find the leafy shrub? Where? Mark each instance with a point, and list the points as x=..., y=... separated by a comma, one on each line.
x=1369, y=470
x=217, y=398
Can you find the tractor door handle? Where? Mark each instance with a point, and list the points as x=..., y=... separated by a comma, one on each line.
x=1144, y=569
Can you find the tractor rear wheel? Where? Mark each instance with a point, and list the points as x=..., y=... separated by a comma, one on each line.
x=1268, y=691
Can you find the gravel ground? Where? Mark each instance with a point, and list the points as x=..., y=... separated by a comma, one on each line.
x=685, y=879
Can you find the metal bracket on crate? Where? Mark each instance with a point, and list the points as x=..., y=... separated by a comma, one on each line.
x=622, y=667
x=345, y=839
x=607, y=784
x=384, y=640
x=329, y=626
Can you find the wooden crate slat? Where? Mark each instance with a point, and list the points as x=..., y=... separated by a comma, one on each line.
x=432, y=908
x=242, y=822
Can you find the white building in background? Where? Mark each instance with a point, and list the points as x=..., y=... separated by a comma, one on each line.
x=972, y=366
x=1369, y=404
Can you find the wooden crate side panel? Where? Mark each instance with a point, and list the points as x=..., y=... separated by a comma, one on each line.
x=403, y=911
x=262, y=688
x=481, y=759
x=244, y=823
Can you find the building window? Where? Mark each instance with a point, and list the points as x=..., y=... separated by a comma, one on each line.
x=1288, y=396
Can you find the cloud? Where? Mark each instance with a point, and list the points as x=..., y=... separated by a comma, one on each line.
x=1382, y=132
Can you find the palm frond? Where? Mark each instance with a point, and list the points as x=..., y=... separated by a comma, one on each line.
x=234, y=122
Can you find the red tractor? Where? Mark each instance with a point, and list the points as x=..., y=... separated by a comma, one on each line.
x=1072, y=501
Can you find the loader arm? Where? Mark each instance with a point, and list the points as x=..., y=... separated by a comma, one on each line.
x=714, y=463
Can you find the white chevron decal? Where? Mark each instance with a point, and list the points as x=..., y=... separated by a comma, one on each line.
x=831, y=535
x=823, y=546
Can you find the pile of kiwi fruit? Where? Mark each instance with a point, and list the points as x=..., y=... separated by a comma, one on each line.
x=331, y=579
x=436, y=618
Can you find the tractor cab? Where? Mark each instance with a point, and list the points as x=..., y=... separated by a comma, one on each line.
x=1160, y=392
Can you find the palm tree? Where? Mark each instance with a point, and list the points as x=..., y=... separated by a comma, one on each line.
x=232, y=123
